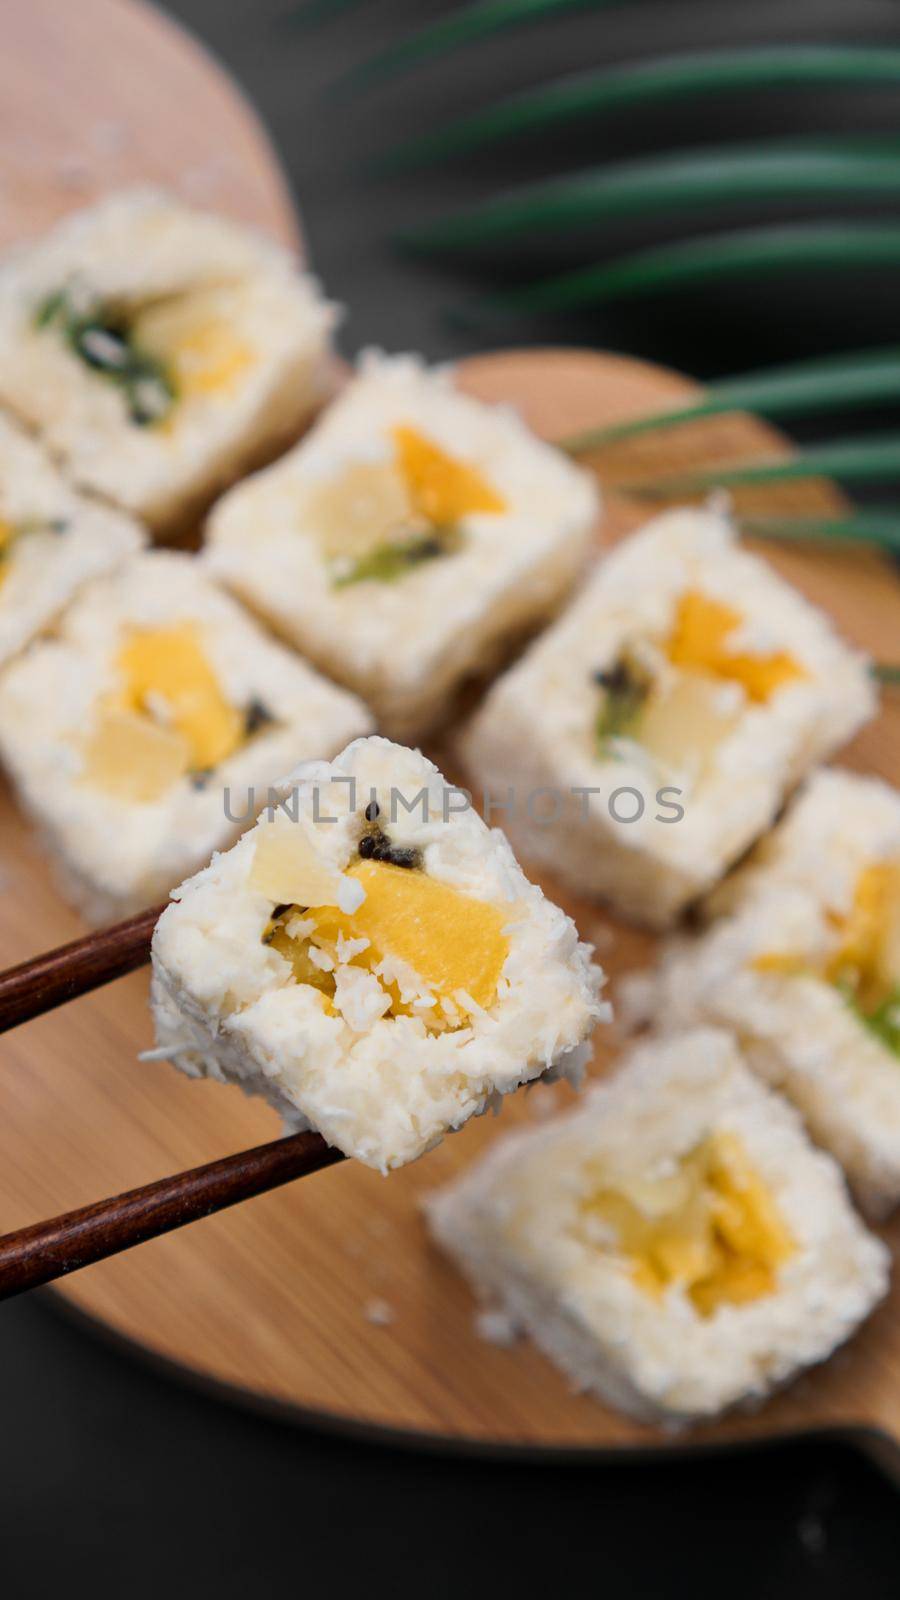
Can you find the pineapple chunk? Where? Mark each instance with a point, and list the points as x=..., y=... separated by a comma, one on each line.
x=366, y=507
x=194, y=338
x=132, y=757
x=710, y=1227
x=168, y=666
x=699, y=643
x=683, y=722
x=450, y=940
x=287, y=870
x=442, y=490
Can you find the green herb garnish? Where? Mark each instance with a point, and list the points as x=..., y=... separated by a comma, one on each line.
x=103, y=341
x=884, y=1021
x=625, y=690
x=391, y=561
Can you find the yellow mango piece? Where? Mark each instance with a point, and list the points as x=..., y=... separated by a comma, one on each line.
x=168, y=666
x=287, y=870
x=366, y=506
x=721, y=1238
x=868, y=956
x=735, y=1282
x=7, y=537
x=133, y=758
x=451, y=941
x=744, y=1212
x=684, y=722
x=442, y=489
x=699, y=643
x=196, y=342
x=785, y=963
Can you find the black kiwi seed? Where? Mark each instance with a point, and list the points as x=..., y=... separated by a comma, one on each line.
x=373, y=811
x=256, y=716
x=378, y=847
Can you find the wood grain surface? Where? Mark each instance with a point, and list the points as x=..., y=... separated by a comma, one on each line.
x=325, y=1296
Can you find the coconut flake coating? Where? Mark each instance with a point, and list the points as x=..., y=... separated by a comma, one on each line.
x=383, y=1088
x=511, y=1224
x=52, y=540
x=246, y=334
x=116, y=855
x=800, y=1033
x=405, y=645
x=536, y=726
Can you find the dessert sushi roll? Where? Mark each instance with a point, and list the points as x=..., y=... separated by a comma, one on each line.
x=158, y=350
x=144, y=734
x=371, y=959
x=653, y=733
x=803, y=961
x=674, y=1244
x=408, y=539
x=52, y=540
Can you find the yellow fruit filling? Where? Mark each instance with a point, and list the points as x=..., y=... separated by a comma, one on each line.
x=699, y=643
x=442, y=489
x=196, y=340
x=865, y=961
x=168, y=717
x=132, y=757
x=379, y=520
x=685, y=720
x=710, y=1227
x=7, y=539
x=361, y=510
x=451, y=943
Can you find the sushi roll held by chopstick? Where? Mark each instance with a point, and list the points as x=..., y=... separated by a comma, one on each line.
x=674, y=1244
x=159, y=351
x=371, y=959
x=670, y=710
x=802, y=958
x=408, y=540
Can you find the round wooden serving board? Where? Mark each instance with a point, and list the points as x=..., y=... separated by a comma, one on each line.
x=325, y=1297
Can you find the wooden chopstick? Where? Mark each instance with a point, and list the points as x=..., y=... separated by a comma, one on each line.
x=49, y=980
x=47, y=1250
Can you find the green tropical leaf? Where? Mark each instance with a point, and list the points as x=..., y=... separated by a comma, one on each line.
x=862, y=460
x=463, y=26
x=683, y=179
x=879, y=528
x=638, y=85
x=860, y=378
x=693, y=263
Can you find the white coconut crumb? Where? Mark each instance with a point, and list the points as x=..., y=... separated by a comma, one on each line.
x=360, y=998
x=495, y=1327
x=320, y=958
x=347, y=949
x=379, y=1312
x=350, y=895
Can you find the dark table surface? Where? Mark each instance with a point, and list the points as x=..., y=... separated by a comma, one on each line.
x=125, y=1479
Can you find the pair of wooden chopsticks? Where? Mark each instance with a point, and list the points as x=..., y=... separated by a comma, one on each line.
x=48, y=1250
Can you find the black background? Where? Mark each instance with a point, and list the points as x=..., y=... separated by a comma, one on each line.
x=120, y=1479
